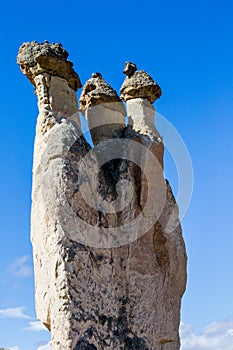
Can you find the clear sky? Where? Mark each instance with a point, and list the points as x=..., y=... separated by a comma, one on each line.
x=186, y=46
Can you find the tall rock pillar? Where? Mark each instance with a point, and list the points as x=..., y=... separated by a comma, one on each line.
x=58, y=127
x=109, y=257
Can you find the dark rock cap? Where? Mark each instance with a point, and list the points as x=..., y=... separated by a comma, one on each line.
x=129, y=68
x=97, y=91
x=35, y=58
x=139, y=84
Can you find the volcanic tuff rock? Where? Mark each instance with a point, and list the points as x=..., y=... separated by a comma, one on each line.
x=35, y=58
x=109, y=257
x=139, y=84
x=103, y=109
x=97, y=91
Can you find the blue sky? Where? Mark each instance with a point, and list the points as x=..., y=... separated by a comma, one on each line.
x=186, y=46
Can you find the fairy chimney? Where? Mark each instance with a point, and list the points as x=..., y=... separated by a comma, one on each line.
x=103, y=109
x=108, y=273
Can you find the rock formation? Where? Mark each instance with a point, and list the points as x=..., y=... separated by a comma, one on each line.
x=109, y=257
x=103, y=109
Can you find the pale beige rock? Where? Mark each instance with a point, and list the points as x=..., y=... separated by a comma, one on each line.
x=103, y=109
x=56, y=102
x=103, y=280
x=141, y=116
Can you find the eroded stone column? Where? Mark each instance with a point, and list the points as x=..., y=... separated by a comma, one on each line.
x=103, y=109
x=57, y=129
x=55, y=83
x=109, y=274
x=139, y=91
x=163, y=247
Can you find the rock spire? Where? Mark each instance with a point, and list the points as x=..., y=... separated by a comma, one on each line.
x=103, y=109
x=109, y=257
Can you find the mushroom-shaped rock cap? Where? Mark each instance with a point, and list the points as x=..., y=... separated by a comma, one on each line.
x=97, y=91
x=35, y=58
x=139, y=84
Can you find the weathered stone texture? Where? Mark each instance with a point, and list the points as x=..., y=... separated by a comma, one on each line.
x=103, y=109
x=35, y=58
x=102, y=282
x=97, y=91
x=139, y=84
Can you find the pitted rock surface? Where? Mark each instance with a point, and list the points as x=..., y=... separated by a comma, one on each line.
x=35, y=58
x=139, y=84
x=92, y=296
x=97, y=91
